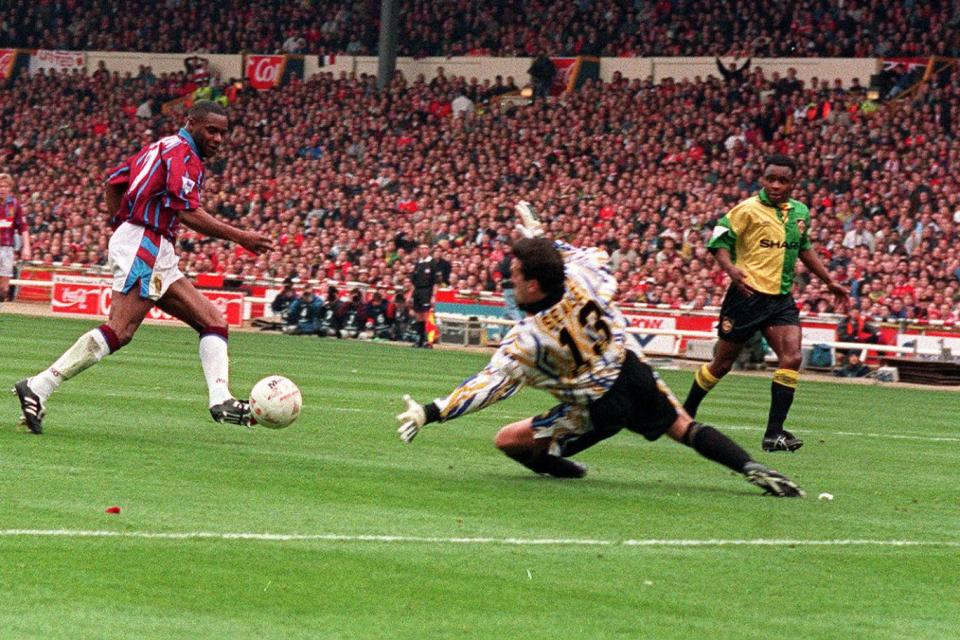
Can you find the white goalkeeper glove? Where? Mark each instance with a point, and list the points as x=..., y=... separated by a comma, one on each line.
x=411, y=420
x=529, y=226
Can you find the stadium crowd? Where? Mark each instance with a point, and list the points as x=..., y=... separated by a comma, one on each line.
x=349, y=180
x=847, y=28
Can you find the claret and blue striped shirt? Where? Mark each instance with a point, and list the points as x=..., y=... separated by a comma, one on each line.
x=162, y=179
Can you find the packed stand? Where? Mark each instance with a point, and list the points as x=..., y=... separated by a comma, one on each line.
x=349, y=180
x=824, y=28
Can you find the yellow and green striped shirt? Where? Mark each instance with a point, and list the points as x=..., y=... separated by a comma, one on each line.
x=764, y=240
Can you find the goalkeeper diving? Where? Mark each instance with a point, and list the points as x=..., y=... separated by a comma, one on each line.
x=573, y=344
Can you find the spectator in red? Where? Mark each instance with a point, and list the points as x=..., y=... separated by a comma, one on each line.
x=855, y=328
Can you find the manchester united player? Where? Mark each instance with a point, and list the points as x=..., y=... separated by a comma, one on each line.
x=758, y=243
x=11, y=222
x=149, y=195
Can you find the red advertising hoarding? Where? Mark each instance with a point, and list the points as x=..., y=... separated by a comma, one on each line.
x=91, y=296
x=264, y=72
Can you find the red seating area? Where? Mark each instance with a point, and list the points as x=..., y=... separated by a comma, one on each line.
x=348, y=180
x=824, y=28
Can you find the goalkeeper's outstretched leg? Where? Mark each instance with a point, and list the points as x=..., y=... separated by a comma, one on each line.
x=712, y=444
x=520, y=442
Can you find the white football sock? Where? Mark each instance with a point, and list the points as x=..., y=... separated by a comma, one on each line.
x=216, y=367
x=88, y=350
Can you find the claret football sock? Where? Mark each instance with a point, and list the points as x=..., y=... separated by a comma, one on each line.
x=88, y=350
x=215, y=363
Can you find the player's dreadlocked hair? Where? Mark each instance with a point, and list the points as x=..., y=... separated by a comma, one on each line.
x=780, y=160
x=540, y=261
x=202, y=108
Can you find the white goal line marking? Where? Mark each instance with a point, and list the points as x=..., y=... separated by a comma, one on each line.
x=854, y=434
x=742, y=427
x=582, y=542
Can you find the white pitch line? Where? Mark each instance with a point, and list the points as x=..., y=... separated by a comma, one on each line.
x=853, y=434
x=896, y=436
x=582, y=542
x=763, y=542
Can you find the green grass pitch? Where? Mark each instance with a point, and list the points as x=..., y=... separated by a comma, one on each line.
x=482, y=548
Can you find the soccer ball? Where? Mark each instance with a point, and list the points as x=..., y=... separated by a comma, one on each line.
x=275, y=402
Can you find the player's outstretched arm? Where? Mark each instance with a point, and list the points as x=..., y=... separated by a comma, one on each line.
x=202, y=222
x=476, y=393
x=411, y=420
x=529, y=225
x=812, y=261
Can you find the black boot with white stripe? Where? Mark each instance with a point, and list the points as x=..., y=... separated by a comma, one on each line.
x=32, y=407
x=772, y=482
x=232, y=411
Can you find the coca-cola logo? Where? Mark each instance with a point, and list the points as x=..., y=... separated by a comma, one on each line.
x=221, y=303
x=264, y=71
x=75, y=297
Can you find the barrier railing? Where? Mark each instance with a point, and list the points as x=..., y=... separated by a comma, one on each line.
x=688, y=343
x=481, y=325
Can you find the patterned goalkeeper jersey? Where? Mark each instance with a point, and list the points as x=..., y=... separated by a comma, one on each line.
x=573, y=349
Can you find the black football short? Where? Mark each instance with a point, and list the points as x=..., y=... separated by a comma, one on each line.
x=741, y=316
x=422, y=299
x=639, y=401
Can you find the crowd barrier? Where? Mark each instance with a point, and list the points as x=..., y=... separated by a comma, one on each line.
x=479, y=318
x=664, y=330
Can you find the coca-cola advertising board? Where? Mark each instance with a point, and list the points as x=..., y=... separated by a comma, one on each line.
x=264, y=72
x=91, y=296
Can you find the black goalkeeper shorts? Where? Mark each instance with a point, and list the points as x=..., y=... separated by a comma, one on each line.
x=741, y=316
x=639, y=400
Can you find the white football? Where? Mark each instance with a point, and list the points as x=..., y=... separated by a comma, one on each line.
x=275, y=402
